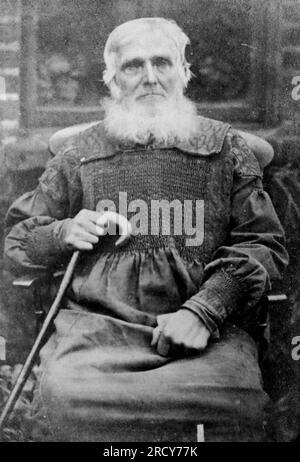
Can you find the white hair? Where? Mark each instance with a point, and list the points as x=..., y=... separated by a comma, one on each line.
x=131, y=30
x=174, y=120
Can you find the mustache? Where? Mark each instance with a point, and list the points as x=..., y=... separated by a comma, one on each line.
x=151, y=93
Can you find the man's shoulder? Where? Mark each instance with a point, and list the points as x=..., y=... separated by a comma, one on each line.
x=90, y=142
x=93, y=142
x=209, y=137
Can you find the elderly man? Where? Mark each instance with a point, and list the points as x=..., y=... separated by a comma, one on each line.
x=145, y=347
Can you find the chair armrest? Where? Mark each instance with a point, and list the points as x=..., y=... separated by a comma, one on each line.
x=272, y=306
x=26, y=281
x=268, y=304
x=276, y=298
x=36, y=283
x=29, y=281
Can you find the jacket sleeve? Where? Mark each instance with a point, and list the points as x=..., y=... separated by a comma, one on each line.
x=35, y=222
x=253, y=255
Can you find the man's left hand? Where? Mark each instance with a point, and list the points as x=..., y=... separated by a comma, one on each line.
x=179, y=333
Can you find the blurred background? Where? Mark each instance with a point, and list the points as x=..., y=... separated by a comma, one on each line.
x=71, y=37
x=245, y=57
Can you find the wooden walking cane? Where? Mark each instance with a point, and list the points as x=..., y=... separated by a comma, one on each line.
x=104, y=219
x=26, y=369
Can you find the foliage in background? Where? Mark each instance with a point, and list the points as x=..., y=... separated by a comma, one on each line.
x=20, y=423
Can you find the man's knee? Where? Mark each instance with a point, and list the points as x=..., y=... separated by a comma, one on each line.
x=56, y=386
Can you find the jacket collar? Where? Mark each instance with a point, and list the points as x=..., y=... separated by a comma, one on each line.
x=209, y=140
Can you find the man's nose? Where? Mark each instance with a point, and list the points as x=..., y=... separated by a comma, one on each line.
x=150, y=74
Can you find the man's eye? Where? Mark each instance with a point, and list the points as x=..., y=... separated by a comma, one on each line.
x=161, y=63
x=132, y=68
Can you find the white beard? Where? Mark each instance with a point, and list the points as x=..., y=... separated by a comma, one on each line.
x=169, y=122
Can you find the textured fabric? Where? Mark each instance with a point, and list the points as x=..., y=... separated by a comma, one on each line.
x=102, y=382
x=101, y=379
x=242, y=238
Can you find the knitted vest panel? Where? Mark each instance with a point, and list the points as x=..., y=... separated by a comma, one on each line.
x=150, y=175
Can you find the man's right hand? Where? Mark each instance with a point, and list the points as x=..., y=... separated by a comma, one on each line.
x=81, y=232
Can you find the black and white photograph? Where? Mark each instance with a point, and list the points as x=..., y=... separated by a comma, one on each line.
x=149, y=223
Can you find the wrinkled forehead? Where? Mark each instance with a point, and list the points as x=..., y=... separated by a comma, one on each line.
x=145, y=46
x=147, y=36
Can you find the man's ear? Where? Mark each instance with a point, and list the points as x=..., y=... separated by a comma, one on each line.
x=114, y=88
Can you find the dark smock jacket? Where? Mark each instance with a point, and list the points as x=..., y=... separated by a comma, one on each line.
x=100, y=378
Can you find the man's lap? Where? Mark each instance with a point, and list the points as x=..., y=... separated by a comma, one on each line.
x=101, y=381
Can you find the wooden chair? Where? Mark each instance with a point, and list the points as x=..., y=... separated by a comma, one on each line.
x=261, y=148
x=271, y=303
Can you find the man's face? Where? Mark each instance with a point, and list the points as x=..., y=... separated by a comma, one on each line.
x=147, y=73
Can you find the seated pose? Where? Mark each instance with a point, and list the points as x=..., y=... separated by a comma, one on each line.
x=147, y=345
